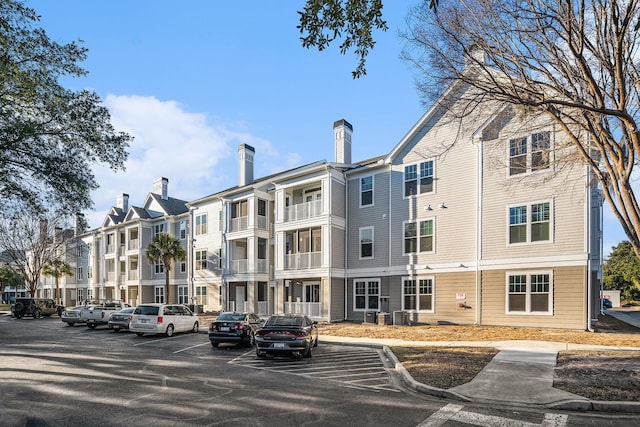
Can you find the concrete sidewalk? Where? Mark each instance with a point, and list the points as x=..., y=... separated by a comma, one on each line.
x=521, y=374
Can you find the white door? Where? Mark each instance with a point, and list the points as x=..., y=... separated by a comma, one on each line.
x=240, y=299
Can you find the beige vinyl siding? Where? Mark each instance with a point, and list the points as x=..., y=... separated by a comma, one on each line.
x=375, y=216
x=446, y=286
x=563, y=185
x=569, y=301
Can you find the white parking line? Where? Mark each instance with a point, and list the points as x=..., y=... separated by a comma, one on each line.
x=189, y=348
x=160, y=339
x=454, y=412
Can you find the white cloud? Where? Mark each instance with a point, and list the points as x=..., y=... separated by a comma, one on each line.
x=197, y=157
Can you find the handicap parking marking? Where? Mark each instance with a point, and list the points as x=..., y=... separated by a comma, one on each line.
x=454, y=412
x=360, y=367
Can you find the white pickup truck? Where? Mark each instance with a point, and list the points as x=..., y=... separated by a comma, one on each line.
x=100, y=313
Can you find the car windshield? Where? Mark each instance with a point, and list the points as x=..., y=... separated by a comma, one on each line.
x=126, y=311
x=150, y=310
x=235, y=317
x=286, y=321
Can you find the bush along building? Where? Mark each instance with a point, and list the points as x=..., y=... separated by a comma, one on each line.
x=480, y=218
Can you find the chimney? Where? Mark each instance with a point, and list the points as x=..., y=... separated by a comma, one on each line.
x=160, y=187
x=342, y=131
x=245, y=164
x=122, y=202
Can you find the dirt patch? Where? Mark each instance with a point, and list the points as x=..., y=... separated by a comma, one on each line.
x=444, y=367
x=599, y=375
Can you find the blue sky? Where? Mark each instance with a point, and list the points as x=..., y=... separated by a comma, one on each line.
x=193, y=80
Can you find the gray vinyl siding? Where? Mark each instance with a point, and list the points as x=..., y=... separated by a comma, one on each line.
x=569, y=301
x=376, y=216
x=337, y=198
x=336, y=311
x=337, y=247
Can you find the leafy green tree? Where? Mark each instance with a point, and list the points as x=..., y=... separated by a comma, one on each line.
x=8, y=277
x=57, y=268
x=574, y=63
x=165, y=249
x=353, y=22
x=50, y=136
x=622, y=271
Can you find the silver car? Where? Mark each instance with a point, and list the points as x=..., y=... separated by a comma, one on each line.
x=74, y=315
x=120, y=319
x=162, y=319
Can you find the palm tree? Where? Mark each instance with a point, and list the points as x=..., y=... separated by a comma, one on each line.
x=57, y=268
x=166, y=249
x=9, y=277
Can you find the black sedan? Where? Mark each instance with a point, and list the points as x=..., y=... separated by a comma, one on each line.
x=287, y=334
x=234, y=328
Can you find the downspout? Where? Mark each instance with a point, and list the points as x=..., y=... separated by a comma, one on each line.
x=479, y=199
x=589, y=260
x=346, y=245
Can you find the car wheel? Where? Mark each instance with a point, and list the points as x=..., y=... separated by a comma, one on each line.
x=195, y=328
x=116, y=329
x=18, y=316
x=307, y=354
x=70, y=324
x=315, y=343
x=37, y=314
x=215, y=343
x=260, y=355
x=60, y=310
x=91, y=325
x=250, y=341
x=139, y=334
x=169, y=331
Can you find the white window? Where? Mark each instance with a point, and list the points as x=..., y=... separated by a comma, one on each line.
x=80, y=274
x=201, y=295
x=158, y=267
x=366, y=294
x=183, y=230
x=157, y=229
x=530, y=223
x=418, y=294
x=419, y=236
x=183, y=295
x=159, y=294
x=201, y=224
x=366, y=191
x=183, y=267
x=529, y=154
x=419, y=179
x=529, y=292
x=366, y=242
x=201, y=259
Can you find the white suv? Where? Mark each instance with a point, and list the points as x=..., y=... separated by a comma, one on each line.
x=162, y=319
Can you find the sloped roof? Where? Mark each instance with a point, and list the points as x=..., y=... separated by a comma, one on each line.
x=170, y=206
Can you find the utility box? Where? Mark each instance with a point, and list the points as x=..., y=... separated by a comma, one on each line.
x=384, y=319
x=400, y=318
x=371, y=317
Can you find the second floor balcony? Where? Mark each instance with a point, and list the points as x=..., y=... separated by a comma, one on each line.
x=242, y=266
x=303, y=260
x=304, y=210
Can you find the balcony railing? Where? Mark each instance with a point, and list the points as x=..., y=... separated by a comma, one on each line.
x=262, y=266
x=303, y=260
x=110, y=249
x=262, y=222
x=311, y=309
x=133, y=244
x=303, y=210
x=238, y=306
x=238, y=224
x=111, y=276
x=134, y=275
x=238, y=265
x=263, y=308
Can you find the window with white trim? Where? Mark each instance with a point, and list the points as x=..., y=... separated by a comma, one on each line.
x=418, y=236
x=157, y=229
x=201, y=295
x=80, y=275
x=366, y=294
x=418, y=178
x=529, y=292
x=366, y=242
x=201, y=259
x=366, y=191
x=183, y=230
x=417, y=294
x=529, y=154
x=183, y=267
x=158, y=267
x=201, y=224
x=183, y=295
x=158, y=293
x=530, y=223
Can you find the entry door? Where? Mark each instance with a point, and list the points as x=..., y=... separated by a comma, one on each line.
x=240, y=299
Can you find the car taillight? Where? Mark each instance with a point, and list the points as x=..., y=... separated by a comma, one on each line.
x=213, y=327
x=159, y=319
x=299, y=334
x=130, y=317
x=239, y=327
